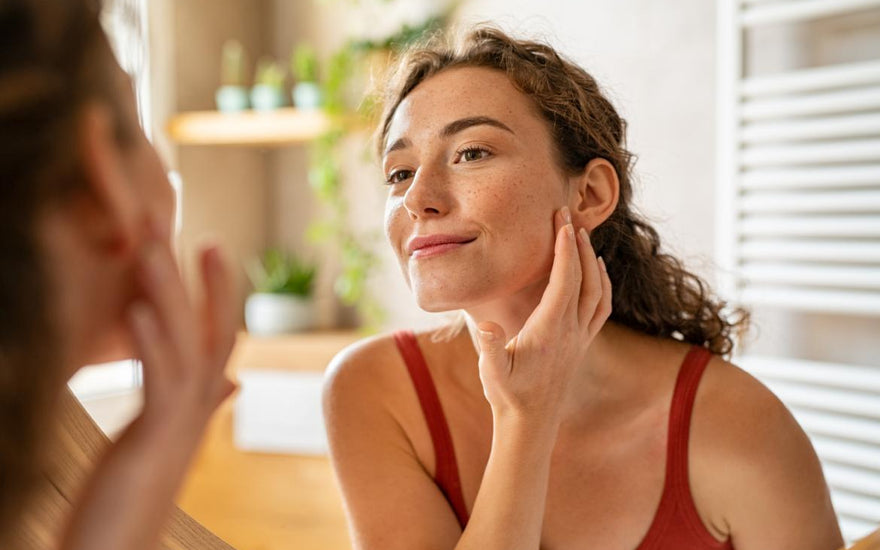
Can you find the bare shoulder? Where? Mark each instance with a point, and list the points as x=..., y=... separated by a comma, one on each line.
x=363, y=370
x=740, y=418
x=750, y=460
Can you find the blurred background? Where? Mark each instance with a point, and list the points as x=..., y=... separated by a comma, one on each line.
x=757, y=129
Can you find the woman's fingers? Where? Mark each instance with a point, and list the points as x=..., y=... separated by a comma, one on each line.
x=494, y=360
x=604, y=308
x=148, y=342
x=218, y=312
x=565, y=276
x=164, y=291
x=591, y=285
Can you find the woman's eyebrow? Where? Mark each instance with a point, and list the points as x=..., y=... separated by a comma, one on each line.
x=461, y=124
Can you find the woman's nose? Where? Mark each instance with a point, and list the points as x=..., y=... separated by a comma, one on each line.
x=427, y=195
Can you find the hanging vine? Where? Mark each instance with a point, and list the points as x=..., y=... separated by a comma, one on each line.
x=326, y=160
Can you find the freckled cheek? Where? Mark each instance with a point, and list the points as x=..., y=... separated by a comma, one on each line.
x=396, y=225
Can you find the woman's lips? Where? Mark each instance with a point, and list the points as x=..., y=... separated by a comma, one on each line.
x=434, y=245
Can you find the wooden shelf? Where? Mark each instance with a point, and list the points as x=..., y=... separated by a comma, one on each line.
x=249, y=128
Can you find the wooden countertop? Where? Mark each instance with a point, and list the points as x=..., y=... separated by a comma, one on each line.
x=258, y=501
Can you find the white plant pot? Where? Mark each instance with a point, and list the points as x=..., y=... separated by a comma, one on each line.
x=267, y=314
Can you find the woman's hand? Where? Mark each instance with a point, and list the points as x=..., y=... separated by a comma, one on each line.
x=183, y=348
x=527, y=376
x=184, y=351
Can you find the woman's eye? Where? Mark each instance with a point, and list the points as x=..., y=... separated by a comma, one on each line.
x=398, y=176
x=471, y=154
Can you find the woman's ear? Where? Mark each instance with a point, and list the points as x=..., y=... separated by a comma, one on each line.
x=109, y=204
x=594, y=194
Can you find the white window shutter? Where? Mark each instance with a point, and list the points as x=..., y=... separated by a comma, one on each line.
x=798, y=214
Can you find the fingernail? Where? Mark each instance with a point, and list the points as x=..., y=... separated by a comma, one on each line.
x=570, y=229
x=566, y=214
x=585, y=237
x=602, y=264
x=486, y=335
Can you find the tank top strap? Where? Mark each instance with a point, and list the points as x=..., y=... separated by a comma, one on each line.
x=681, y=411
x=446, y=475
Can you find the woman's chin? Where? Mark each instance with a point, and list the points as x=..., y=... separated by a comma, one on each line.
x=434, y=301
x=434, y=305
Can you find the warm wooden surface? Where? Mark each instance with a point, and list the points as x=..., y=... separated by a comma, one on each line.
x=264, y=501
x=279, y=127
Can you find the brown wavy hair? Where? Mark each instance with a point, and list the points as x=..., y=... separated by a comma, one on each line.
x=54, y=57
x=653, y=292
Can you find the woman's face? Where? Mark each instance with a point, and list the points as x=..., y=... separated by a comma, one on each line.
x=473, y=185
x=142, y=165
x=149, y=198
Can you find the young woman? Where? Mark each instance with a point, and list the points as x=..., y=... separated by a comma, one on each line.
x=88, y=275
x=585, y=406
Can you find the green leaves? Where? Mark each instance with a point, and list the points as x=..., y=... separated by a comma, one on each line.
x=278, y=272
x=304, y=63
x=232, y=64
x=269, y=73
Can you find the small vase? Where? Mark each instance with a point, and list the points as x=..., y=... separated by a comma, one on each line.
x=265, y=97
x=267, y=314
x=307, y=95
x=231, y=99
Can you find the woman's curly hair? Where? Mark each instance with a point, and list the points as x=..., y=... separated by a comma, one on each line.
x=653, y=292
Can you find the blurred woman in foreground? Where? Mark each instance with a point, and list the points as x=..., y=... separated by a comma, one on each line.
x=88, y=275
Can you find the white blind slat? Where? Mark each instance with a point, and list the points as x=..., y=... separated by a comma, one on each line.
x=852, y=126
x=856, y=201
x=852, y=479
x=856, y=506
x=813, y=274
x=862, y=226
x=854, y=377
x=818, y=300
x=844, y=75
x=851, y=175
x=825, y=399
x=839, y=426
x=844, y=101
x=867, y=150
x=811, y=250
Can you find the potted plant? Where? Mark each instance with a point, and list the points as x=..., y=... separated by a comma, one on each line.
x=306, y=93
x=282, y=298
x=268, y=90
x=232, y=95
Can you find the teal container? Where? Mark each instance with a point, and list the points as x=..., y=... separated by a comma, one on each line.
x=266, y=98
x=231, y=99
x=307, y=96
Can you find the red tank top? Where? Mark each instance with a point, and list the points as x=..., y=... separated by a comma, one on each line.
x=676, y=524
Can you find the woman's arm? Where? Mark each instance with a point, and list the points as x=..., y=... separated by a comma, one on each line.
x=756, y=468
x=128, y=498
x=392, y=502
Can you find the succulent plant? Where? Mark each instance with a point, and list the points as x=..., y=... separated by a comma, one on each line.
x=304, y=63
x=269, y=73
x=277, y=272
x=232, y=64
